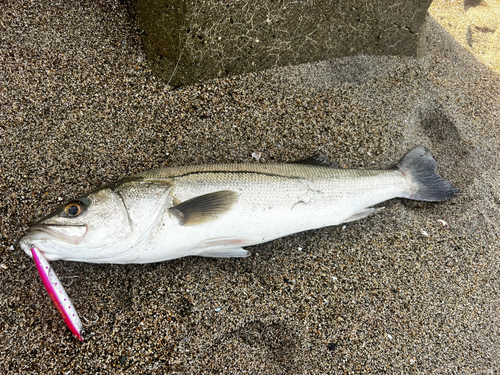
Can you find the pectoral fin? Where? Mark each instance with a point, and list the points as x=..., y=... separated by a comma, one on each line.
x=204, y=208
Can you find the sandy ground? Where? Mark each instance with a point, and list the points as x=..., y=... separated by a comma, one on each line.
x=474, y=24
x=79, y=108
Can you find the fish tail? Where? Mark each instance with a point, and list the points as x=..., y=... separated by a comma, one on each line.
x=427, y=185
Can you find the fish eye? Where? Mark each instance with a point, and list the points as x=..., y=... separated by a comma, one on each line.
x=74, y=209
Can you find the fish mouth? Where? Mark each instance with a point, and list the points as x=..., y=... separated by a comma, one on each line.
x=72, y=234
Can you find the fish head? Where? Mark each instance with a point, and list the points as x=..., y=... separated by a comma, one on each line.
x=101, y=227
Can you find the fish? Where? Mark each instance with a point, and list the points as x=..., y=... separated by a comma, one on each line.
x=216, y=210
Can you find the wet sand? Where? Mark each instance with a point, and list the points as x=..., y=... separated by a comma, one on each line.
x=395, y=292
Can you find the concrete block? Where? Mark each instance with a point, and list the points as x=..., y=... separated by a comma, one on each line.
x=193, y=41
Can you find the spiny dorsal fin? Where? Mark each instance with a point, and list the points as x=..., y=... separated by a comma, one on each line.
x=204, y=208
x=318, y=160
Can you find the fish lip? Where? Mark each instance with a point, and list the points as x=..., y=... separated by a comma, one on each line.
x=26, y=245
x=57, y=231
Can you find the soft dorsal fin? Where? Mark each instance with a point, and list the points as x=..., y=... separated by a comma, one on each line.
x=318, y=160
x=205, y=208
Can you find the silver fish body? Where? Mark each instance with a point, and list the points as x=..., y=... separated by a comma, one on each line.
x=215, y=210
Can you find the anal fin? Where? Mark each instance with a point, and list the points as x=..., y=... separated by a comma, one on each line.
x=361, y=214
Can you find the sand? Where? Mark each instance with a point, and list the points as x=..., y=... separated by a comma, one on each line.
x=396, y=292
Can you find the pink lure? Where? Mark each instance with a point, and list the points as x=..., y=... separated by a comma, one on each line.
x=57, y=294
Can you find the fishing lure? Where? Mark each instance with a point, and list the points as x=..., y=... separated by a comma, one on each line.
x=58, y=294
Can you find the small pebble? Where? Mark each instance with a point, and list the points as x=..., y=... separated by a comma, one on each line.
x=444, y=224
x=331, y=346
x=256, y=155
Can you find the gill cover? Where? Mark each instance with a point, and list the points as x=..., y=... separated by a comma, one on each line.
x=137, y=207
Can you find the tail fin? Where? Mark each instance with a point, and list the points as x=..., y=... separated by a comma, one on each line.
x=420, y=166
